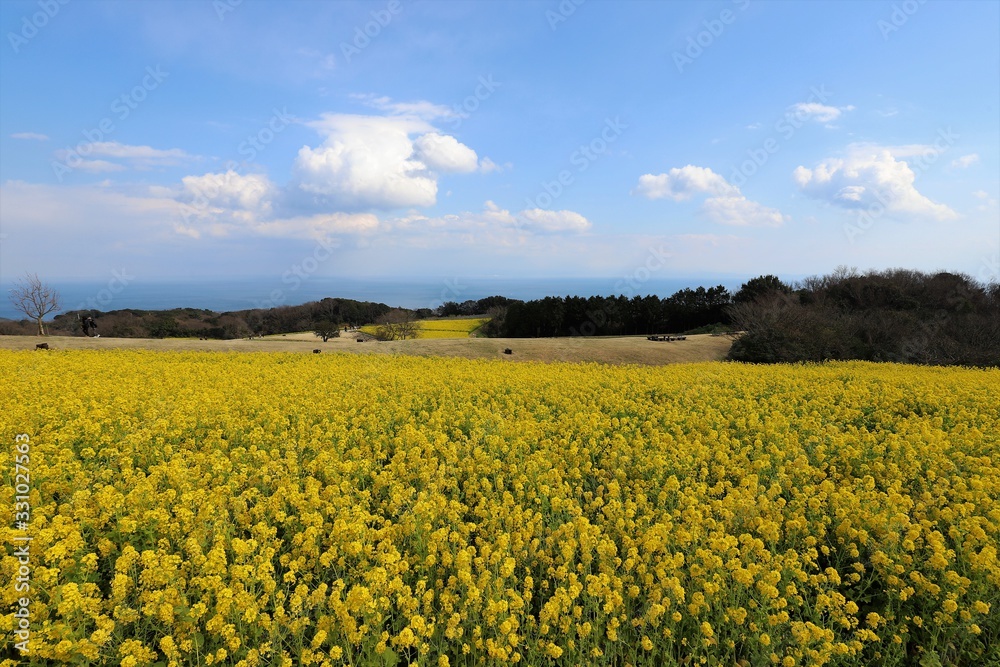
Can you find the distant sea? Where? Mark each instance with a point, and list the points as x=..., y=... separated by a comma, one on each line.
x=229, y=295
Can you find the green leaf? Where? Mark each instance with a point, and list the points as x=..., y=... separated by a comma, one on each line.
x=930, y=659
x=389, y=658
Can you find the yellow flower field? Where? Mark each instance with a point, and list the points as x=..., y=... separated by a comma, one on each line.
x=282, y=509
x=446, y=328
x=450, y=328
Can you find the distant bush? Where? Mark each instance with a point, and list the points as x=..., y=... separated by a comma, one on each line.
x=897, y=315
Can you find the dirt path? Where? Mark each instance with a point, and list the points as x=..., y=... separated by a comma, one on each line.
x=610, y=350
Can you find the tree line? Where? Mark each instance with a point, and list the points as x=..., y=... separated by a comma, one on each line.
x=611, y=315
x=894, y=315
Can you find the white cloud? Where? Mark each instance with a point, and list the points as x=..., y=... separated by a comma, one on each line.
x=684, y=183
x=727, y=205
x=441, y=152
x=739, y=211
x=495, y=220
x=229, y=191
x=821, y=113
x=900, y=151
x=318, y=226
x=124, y=151
x=988, y=203
x=420, y=109
x=94, y=166
x=230, y=204
x=554, y=221
x=965, y=161
x=373, y=162
x=487, y=166
x=136, y=157
x=870, y=176
x=365, y=162
x=30, y=135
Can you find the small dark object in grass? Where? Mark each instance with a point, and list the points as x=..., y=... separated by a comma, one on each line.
x=316, y=351
x=42, y=346
x=508, y=351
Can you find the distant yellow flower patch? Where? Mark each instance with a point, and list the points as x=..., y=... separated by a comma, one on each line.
x=446, y=328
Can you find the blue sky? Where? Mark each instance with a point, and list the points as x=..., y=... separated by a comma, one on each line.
x=432, y=140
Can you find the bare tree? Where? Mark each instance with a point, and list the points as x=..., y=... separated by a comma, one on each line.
x=35, y=299
x=396, y=325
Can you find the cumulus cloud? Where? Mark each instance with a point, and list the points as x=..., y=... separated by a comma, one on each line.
x=726, y=205
x=739, y=211
x=366, y=162
x=443, y=153
x=230, y=190
x=382, y=162
x=965, y=161
x=225, y=204
x=34, y=136
x=868, y=176
x=683, y=183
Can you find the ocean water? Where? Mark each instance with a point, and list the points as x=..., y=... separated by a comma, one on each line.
x=229, y=295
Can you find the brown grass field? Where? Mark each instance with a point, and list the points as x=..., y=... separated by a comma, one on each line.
x=608, y=350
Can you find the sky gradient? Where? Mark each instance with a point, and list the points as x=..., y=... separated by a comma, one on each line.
x=442, y=140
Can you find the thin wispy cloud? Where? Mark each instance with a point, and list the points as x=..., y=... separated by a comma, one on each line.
x=30, y=136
